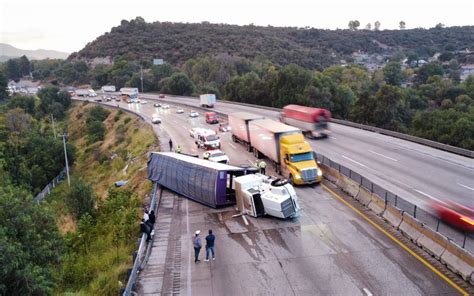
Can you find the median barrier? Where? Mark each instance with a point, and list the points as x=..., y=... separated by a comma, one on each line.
x=349, y=186
x=376, y=205
x=393, y=215
x=432, y=242
x=411, y=227
x=330, y=173
x=364, y=196
x=458, y=260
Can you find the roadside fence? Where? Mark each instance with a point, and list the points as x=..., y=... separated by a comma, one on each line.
x=58, y=179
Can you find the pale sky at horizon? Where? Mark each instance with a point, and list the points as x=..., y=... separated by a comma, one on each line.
x=68, y=25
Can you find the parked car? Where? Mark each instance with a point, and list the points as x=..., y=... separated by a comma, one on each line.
x=157, y=105
x=193, y=114
x=179, y=111
x=194, y=131
x=166, y=106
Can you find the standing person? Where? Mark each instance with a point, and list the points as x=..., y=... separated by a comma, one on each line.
x=197, y=246
x=262, y=165
x=171, y=145
x=145, y=229
x=210, y=245
x=152, y=217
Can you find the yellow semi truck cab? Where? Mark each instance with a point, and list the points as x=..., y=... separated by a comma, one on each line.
x=297, y=161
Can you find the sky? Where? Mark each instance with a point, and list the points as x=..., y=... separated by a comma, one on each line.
x=68, y=25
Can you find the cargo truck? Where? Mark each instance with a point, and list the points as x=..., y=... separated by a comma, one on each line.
x=108, y=88
x=312, y=121
x=238, y=123
x=282, y=144
x=217, y=185
x=131, y=92
x=211, y=117
x=84, y=92
x=207, y=100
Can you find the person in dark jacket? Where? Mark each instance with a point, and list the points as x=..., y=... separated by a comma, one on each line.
x=197, y=246
x=210, y=245
x=171, y=144
x=145, y=229
x=151, y=217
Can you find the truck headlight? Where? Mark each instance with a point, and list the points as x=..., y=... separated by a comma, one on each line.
x=297, y=176
x=320, y=173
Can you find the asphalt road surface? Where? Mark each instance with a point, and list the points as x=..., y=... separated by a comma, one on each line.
x=327, y=250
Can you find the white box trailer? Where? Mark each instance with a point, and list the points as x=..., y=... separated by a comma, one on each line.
x=85, y=92
x=239, y=124
x=131, y=92
x=265, y=136
x=207, y=100
x=108, y=88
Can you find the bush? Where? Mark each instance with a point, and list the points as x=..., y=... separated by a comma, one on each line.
x=95, y=131
x=98, y=113
x=127, y=120
x=80, y=199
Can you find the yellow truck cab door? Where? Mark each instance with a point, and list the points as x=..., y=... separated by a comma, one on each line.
x=284, y=160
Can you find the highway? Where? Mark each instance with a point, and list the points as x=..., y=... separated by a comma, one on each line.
x=409, y=170
x=328, y=250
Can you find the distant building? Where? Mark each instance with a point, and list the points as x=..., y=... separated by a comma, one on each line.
x=466, y=70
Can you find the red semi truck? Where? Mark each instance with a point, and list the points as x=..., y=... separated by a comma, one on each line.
x=313, y=121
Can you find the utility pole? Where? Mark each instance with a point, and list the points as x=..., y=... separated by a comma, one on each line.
x=54, y=128
x=141, y=76
x=64, y=135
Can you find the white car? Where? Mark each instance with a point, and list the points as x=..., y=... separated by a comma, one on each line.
x=157, y=105
x=193, y=132
x=193, y=114
x=165, y=106
x=179, y=111
x=216, y=156
x=143, y=101
x=155, y=119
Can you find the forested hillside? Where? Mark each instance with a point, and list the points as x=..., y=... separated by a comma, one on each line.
x=307, y=47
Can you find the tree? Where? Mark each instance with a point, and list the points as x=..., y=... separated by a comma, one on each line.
x=3, y=86
x=343, y=100
x=377, y=26
x=80, y=199
x=179, y=84
x=387, y=112
x=439, y=26
x=353, y=25
x=30, y=242
x=290, y=84
x=402, y=25
x=368, y=27
x=54, y=101
x=393, y=73
x=24, y=65
x=428, y=70
x=12, y=70
x=27, y=103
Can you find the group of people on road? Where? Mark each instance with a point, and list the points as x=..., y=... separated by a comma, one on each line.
x=178, y=148
x=147, y=223
x=197, y=244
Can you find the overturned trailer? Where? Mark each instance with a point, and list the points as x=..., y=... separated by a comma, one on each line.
x=204, y=181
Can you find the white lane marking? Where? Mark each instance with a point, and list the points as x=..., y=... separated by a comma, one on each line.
x=333, y=137
x=426, y=194
x=465, y=186
x=380, y=154
x=189, y=251
x=245, y=220
x=232, y=145
x=350, y=159
x=366, y=291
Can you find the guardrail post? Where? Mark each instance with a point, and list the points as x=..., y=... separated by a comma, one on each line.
x=437, y=226
x=464, y=240
x=396, y=198
x=414, y=212
x=350, y=174
x=386, y=199
x=371, y=187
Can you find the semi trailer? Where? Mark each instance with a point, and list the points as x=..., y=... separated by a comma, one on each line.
x=282, y=144
x=207, y=100
x=312, y=121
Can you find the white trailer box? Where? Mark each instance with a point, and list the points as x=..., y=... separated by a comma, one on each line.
x=132, y=92
x=238, y=123
x=108, y=88
x=265, y=136
x=82, y=92
x=207, y=100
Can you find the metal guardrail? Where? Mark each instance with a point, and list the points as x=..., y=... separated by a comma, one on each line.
x=143, y=248
x=47, y=189
x=418, y=140
x=463, y=239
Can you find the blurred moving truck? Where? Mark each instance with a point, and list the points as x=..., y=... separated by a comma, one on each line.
x=108, y=88
x=85, y=92
x=282, y=144
x=131, y=92
x=207, y=100
x=313, y=121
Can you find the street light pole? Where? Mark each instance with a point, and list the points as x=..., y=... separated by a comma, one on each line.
x=141, y=76
x=64, y=135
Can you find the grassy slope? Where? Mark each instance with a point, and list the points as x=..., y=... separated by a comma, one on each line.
x=131, y=140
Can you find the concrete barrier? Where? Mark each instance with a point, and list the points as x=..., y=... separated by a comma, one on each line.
x=348, y=186
x=458, y=260
x=432, y=242
x=364, y=196
x=411, y=227
x=377, y=205
x=330, y=173
x=393, y=215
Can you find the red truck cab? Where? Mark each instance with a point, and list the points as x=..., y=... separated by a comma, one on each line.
x=211, y=117
x=313, y=121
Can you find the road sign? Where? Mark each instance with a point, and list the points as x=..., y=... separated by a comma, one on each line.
x=158, y=62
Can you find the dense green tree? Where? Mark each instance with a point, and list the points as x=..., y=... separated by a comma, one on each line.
x=53, y=101
x=389, y=107
x=393, y=74
x=30, y=242
x=179, y=84
x=290, y=84
x=343, y=100
x=24, y=65
x=80, y=199
x=428, y=70
x=12, y=70
x=162, y=71
x=3, y=86
x=27, y=103
x=320, y=91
